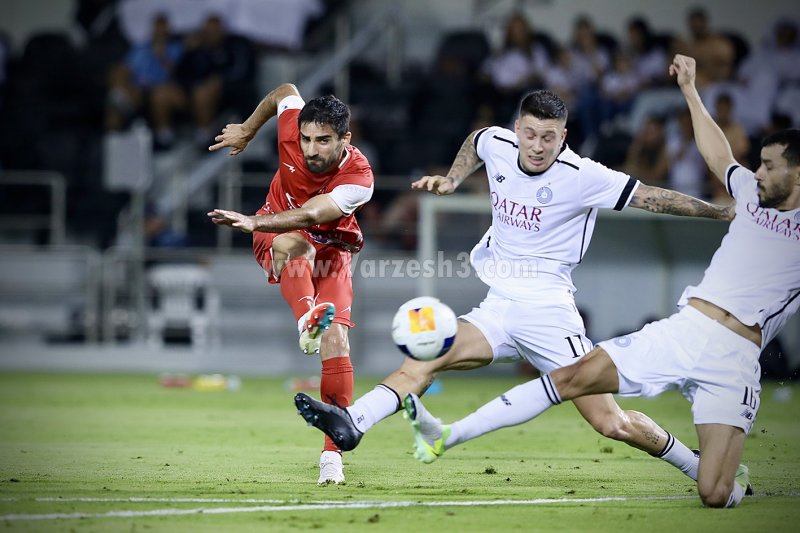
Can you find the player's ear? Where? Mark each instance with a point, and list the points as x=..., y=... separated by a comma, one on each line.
x=347, y=137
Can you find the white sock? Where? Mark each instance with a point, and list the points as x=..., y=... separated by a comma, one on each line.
x=681, y=457
x=736, y=496
x=373, y=407
x=520, y=404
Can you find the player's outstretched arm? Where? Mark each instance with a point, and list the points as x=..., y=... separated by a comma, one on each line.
x=465, y=164
x=709, y=137
x=658, y=200
x=318, y=210
x=237, y=136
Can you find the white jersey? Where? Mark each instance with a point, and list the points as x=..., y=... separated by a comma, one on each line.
x=755, y=273
x=542, y=223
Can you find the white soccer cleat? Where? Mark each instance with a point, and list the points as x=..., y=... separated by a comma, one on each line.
x=313, y=324
x=331, y=469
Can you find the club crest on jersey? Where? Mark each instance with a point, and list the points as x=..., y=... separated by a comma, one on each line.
x=623, y=342
x=499, y=178
x=544, y=195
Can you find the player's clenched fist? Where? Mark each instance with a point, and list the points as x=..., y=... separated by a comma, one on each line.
x=684, y=68
x=436, y=184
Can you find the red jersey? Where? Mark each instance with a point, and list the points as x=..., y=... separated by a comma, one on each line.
x=294, y=184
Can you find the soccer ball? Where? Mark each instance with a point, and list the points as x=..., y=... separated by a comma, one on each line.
x=424, y=328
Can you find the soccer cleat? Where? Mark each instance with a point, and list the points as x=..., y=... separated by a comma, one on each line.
x=743, y=479
x=331, y=469
x=332, y=420
x=313, y=324
x=429, y=432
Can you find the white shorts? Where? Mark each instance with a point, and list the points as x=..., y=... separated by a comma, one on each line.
x=548, y=335
x=713, y=367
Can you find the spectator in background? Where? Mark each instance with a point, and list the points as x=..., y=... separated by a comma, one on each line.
x=733, y=131
x=779, y=52
x=737, y=137
x=649, y=60
x=591, y=60
x=687, y=170
x=217, y=72
x=647, y=154
x=618, y=88
x=565, y=78
x=149, y=82
x=714, y=53
x=517, y=67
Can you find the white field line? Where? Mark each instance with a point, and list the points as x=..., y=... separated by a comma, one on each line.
x=294, y=505
x=310, y=507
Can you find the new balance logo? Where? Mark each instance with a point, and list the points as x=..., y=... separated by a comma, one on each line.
x=499, y=178
x=747, y=414
x=505, y=400
x=291, y=168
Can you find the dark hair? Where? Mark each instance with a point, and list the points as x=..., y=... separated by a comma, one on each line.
x=543, y=104
x=638, y=23
x=791, y=139
x=698, y=11
x=326, y=110
x=725, y=97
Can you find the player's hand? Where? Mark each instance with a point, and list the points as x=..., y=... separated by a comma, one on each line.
x=236, y=136
x=439, y=185
x=684, y=68
x=233, y=219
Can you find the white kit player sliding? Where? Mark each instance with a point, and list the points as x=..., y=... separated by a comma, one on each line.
x=544, y=200
x=709, y=349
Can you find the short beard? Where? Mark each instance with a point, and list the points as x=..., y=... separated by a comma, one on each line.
x=778, y=196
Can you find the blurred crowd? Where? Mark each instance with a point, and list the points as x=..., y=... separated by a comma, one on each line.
x=624, y=109
x=57, y=100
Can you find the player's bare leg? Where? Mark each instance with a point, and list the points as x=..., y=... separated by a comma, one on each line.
x=597, y=372
x=470, y=350
x=347, y=426
x=636, y=429
x=718, y=482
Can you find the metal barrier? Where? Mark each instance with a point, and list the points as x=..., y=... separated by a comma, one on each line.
x=38, y=286
x=54, y=221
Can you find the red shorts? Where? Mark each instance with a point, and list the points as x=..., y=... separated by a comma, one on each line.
x=332, y=278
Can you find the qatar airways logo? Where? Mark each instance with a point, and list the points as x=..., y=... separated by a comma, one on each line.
x=774, y=221
x=511, y=213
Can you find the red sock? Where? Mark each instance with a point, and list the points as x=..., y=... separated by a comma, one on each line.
x=296, y=285
x=336, y=387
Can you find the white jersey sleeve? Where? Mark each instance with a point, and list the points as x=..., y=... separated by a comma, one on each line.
x=603, y=187
x=350, y=197
x=738, y=179
x=480, y=140
x=290, y=102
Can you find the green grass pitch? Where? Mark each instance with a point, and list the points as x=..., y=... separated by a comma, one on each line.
x=120, y=453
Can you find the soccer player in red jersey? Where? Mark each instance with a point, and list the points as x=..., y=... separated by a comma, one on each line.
x=306, y=232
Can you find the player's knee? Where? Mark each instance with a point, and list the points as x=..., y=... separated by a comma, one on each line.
x=714, y=494
x=613, y=427
x=566, y=381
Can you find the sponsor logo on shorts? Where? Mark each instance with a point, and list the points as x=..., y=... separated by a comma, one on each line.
x=747, y=414
x=544, y=195
x=623, y=342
